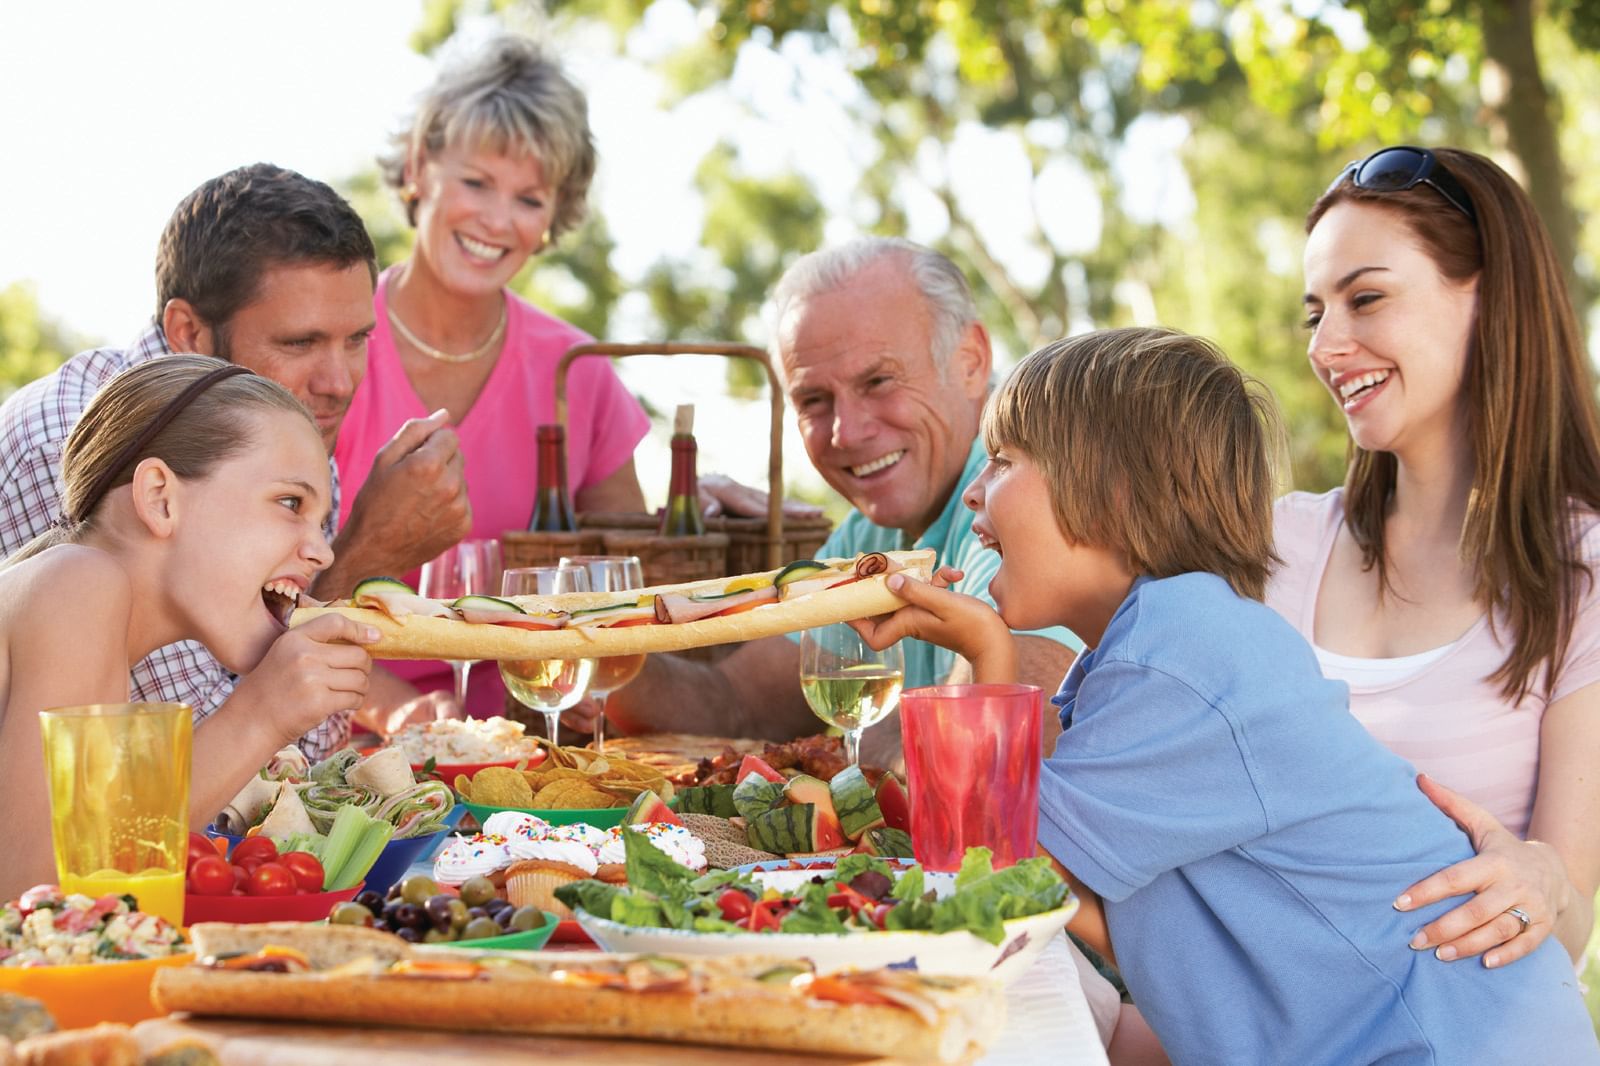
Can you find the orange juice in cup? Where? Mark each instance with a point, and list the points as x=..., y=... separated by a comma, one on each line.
x=119, y=800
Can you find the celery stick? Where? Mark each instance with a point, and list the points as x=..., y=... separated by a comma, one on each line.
x=352, y=847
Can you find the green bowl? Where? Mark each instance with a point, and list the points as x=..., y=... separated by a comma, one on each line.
x=532, y=940
x=599, y=817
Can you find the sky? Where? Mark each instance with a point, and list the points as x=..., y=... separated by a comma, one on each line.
x=114, y=111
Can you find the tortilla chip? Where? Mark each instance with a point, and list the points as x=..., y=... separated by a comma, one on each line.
x=572, y=795
x=501, y=786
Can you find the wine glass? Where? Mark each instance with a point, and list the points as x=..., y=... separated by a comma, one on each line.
x=470, y=568
x=548, y=686
x=610, y=573
x=847, y=684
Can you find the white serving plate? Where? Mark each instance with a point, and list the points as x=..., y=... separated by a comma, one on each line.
x=953, y=954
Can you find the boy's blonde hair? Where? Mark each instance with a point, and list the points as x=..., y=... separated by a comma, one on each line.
x=1153, y=444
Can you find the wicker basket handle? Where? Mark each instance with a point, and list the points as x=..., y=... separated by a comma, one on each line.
x=731, y=351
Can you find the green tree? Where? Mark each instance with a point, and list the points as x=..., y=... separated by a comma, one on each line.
x=31, y=344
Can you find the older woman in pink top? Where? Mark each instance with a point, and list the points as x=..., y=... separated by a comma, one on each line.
x=494, y=167
x=1449, y=582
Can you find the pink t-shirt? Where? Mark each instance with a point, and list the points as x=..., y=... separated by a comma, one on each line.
x=498, y=446
x=1448, y=719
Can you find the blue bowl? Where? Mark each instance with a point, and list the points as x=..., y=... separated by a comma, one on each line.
x=396, y=857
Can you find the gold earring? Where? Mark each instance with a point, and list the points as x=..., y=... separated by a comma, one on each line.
x=409, y=193
x=545, y=241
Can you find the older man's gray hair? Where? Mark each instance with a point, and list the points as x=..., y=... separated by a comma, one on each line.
x=950, y=303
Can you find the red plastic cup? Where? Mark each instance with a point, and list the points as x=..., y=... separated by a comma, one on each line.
x=972, y=770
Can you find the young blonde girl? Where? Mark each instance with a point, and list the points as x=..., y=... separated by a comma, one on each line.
x=191, y=487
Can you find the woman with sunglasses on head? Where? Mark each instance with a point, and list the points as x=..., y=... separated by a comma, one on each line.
x=1451, y=581
x=492, y=169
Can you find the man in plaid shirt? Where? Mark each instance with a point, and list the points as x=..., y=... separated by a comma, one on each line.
x=275, y=272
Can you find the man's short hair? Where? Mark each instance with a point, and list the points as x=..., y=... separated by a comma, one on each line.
x=228, y=233
x=1152, y=444
x=951, y=308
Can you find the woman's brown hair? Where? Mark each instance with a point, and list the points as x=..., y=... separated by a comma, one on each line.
x=212, y=428
x=1532, y=419
x=1152, y=444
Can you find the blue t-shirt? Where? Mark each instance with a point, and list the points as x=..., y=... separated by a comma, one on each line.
x=952, y=537
x=1249, y=836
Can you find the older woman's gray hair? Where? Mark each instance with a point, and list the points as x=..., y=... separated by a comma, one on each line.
x=512, y=97
x=949, y=298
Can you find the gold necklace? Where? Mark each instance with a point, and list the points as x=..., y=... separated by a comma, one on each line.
x=446, y=357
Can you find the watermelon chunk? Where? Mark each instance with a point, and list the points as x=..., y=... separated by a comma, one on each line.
x=796, y=827
x=756, y=795
x=708, y=799
x=854, y=802
x=886, y=843
x=649, y=807
x=894, y=803
x=754, y=764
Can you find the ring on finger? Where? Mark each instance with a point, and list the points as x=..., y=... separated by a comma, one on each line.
x=1522, y=916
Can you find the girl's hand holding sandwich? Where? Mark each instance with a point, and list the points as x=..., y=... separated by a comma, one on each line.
x=964, y=624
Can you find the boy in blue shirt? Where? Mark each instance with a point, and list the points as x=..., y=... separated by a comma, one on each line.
x=1244, y=834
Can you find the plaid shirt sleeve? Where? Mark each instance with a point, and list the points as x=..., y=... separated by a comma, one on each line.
x=34, y=424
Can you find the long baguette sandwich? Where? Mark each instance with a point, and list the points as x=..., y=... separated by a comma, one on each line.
x=351, y=975
x=584, y=625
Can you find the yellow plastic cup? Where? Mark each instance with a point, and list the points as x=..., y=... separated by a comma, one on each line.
x=119, y=800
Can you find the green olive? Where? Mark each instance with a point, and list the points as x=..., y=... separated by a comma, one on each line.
x=417, y=888
x=479, y=928
x=349, y=913
x=458, y=915
x=438, y=936
x=526, y=918
x=477, y=891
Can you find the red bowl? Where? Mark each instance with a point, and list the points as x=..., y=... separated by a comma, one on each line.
x=247, y=910
x=447, y=771
x=570, y=932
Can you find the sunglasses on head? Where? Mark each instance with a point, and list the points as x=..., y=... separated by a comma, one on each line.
x=1404, y=166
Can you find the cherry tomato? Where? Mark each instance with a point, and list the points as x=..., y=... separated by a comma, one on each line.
x=199, y=848
x=734, y=905
x=270, y=879
x=308, y=872
x=241, y=877
x=253, y=851
x=210, y=875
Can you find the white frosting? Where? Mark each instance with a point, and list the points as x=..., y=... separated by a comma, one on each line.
x=469, y=857
x=513, y=824
x=579, y=832
x=568, y=851
x=673, y=841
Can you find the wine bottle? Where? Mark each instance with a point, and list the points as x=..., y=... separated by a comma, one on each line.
x=552, y=503
x=682, y=516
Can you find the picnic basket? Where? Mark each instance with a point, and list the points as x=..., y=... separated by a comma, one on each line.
x=729, y=545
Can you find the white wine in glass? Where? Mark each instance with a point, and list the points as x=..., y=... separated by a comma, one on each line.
x=610, y=573
x=847, y=684
x=548, y=686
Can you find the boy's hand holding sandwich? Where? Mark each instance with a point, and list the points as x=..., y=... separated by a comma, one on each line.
x=964, y=624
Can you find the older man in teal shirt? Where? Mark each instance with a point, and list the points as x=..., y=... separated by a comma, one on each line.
x=886, y=366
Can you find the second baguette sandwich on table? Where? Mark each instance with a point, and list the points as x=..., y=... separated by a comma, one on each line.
x=351, y=975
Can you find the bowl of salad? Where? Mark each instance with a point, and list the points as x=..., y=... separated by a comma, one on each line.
x=87, y=960
x=860, y=912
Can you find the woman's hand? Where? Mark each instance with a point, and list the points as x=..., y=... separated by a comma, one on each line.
x=1506, y=873
x=964, y=624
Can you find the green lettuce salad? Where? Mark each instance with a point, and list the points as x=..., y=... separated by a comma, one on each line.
x=861, y=893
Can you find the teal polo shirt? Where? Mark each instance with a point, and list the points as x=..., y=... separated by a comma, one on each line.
x=952, y=537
